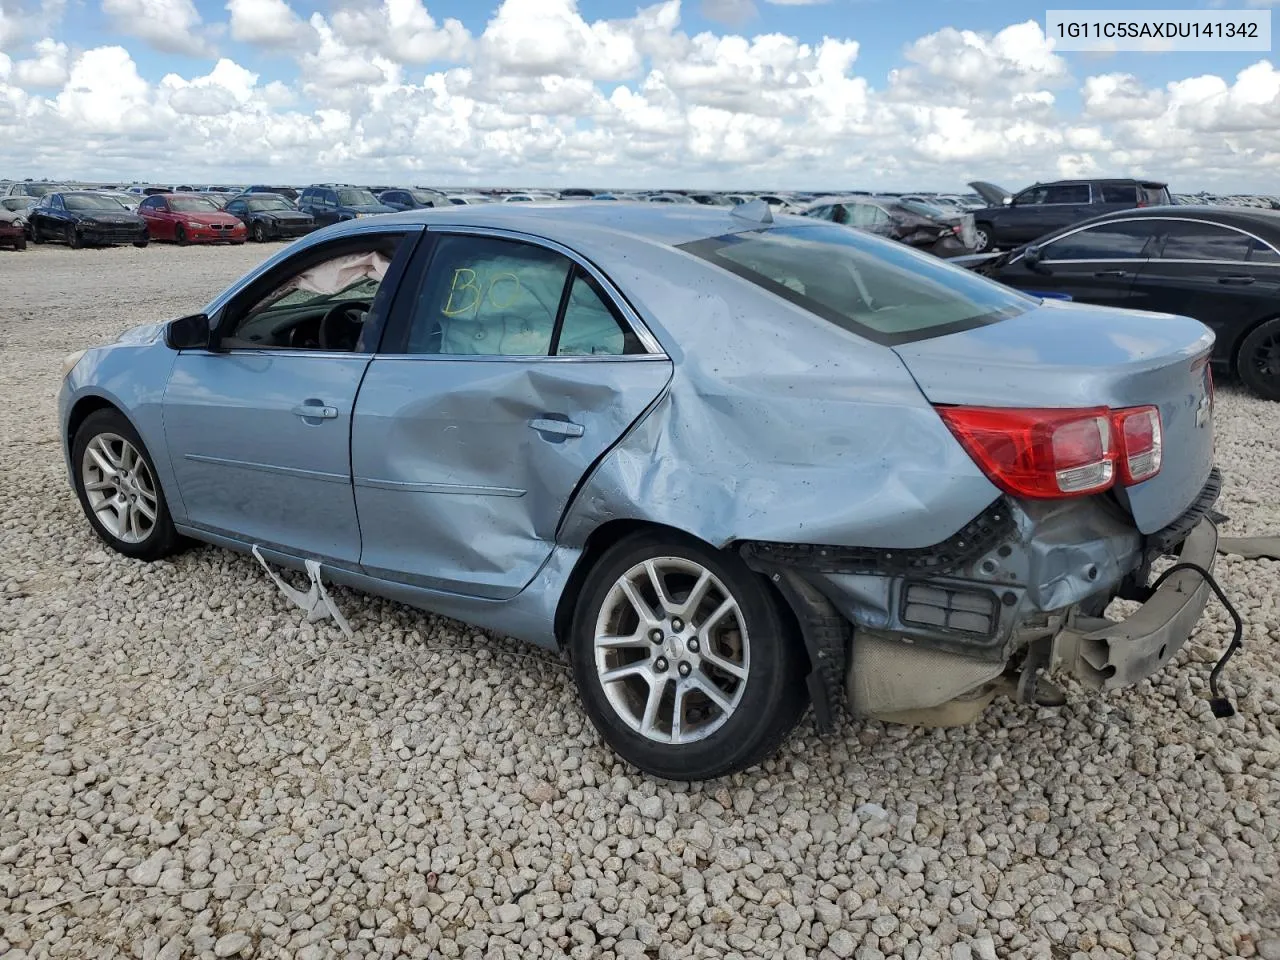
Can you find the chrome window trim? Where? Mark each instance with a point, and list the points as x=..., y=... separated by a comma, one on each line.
x=647, y=339
x=1210, y=223
x=1069, y=203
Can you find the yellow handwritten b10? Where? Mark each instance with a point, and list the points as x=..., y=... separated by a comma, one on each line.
x=467, y=290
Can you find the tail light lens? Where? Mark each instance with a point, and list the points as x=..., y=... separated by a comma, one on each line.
x=1142, y=443
x=1050, y=454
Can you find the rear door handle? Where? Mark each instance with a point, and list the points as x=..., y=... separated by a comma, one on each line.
x=1236, y=279
x=315, y=410
x=557, y=428
x=1113, y=273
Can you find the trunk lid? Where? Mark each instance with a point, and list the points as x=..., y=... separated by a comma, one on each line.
x=994, y=195
x=1074, y=355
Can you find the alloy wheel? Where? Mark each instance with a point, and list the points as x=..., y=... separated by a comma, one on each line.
x=119, y=488
x=1266, y=356
x=671, y=650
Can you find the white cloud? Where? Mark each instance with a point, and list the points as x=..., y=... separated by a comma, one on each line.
x=172, y=26
x=268, y=23
x=732, y=12
x=383, y=90
x=403, y=31
x=48, y=68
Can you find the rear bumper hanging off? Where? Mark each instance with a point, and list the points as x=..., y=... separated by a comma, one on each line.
x=1107, y=655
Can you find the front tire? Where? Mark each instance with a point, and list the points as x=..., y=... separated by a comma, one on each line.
x=36, y=235
x=684, y=660
x=115, y=480
x=180, y=235
x=1258, y=364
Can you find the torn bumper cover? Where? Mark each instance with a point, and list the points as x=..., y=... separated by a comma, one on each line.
x=1107, y=655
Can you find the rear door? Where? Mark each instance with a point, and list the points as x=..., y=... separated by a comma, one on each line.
x=1096, y=264
x=1218, y=274
x=504, y=376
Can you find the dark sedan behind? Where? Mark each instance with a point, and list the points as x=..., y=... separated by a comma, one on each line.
x=1220, y=265
x=81, y=218
x=270, y=216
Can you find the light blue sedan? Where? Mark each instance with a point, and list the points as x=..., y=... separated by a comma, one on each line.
x=733, y=465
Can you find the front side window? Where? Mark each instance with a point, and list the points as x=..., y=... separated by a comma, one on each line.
x=1260, y=252
x=1067, y=193
x=888, y=294
x=1203, y=241
x=485, y=296
x=236, y=206
x=1030, y=197
x=320, y=303
x=1107, y=241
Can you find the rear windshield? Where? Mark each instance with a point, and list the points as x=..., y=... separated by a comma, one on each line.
x=1155, y=195
x=877, y=289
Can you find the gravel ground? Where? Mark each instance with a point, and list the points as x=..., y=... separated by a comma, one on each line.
x=189, y=770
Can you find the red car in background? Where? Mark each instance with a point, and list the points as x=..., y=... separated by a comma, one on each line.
x=189, y=218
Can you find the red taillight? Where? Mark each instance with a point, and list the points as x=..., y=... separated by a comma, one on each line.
x=1048, y=454
x=1141, y=443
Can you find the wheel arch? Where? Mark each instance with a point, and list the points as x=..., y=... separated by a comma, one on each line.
x=1242, y=336
x=605, y=536
x=86, y=405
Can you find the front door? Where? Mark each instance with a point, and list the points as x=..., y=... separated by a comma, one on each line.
x=1095, y=265
x=506, y=375
x=259, y=427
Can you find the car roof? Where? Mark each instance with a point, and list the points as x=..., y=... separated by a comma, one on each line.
x=1247, y=217
x=566, y=222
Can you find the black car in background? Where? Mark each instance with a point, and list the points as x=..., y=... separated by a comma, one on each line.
x=412, y=198
x=334, y=203
x=269, y=216
x=1220, y=265
x=81, y=218
x=942, y=232
x=1011, y=220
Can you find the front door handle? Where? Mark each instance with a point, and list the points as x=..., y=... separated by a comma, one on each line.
x=1236, y=279
x=558, y=429
x=315, y=410
x=1115, y=274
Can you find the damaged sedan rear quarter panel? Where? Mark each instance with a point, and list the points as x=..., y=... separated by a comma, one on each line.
x=782, y=409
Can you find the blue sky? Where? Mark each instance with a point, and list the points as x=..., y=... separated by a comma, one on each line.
x=915, y=98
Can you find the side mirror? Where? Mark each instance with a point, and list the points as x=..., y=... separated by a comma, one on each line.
x=1007, y=201
x=1031, y=257
x=188, y=333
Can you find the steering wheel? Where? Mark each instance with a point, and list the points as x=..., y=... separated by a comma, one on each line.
x=341, y=325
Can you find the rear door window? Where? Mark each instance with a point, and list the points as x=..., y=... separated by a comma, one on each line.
x=1186, y=240
x=887, y=294
x=1260, y=252
x=1126, y=240
x=1120, y=193
x=1067, y=193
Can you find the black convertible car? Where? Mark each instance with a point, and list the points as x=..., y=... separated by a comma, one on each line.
x=1220, y=265
x=270, y=216
x=81, y=218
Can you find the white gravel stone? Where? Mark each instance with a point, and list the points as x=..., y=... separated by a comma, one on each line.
x=182, y=756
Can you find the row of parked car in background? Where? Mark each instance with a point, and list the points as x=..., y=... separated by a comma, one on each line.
x=1114, y=241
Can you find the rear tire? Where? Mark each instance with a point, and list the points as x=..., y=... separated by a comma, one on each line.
x=36, y=235
x=735, y=680
x=1258, y=363
x=73, y=238
x=983, y=235
x=116, y=482
x=259, y=232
